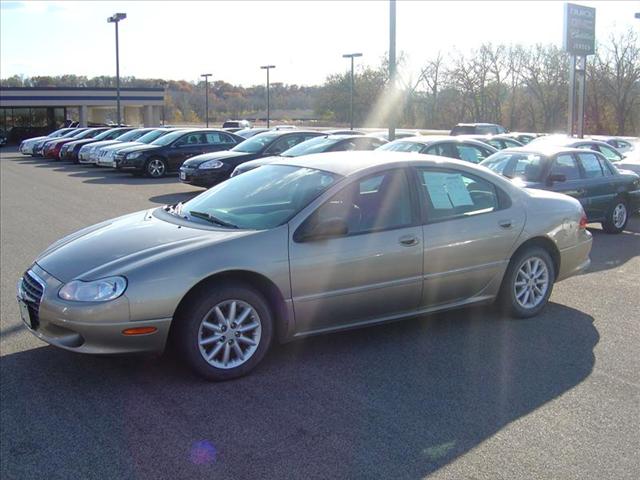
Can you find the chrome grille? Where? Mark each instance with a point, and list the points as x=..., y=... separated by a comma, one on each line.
x=32, y=289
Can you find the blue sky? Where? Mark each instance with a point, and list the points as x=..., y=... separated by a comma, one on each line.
x=305, y=39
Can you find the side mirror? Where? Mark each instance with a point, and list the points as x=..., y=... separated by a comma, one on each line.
x=556, y=177
x=333, y=227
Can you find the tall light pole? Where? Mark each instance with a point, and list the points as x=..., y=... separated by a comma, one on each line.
x=115, y=18
x=206, y=96
x=267, y=68
x=351, y=56
x=392, y=64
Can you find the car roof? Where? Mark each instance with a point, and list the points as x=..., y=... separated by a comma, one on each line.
x=547, y=150
x=428, y=139
x=350, y=162
x=476, y=124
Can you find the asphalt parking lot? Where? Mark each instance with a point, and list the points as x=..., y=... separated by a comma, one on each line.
x=466, y=394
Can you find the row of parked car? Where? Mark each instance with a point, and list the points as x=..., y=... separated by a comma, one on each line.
x=599, y=177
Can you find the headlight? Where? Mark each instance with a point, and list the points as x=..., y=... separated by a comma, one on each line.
x=131, y=156
x=210, y=164
x=97, y=291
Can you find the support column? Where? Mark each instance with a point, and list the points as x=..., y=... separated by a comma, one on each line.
x=148, y=116
x=84, y=115
x=155, y=116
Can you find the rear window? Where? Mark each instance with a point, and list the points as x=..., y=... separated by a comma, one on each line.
x=463, y=130
x=526, y=166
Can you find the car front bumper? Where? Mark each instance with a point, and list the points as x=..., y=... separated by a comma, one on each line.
x=92, y=327
x=202, y=178
x=128, y=163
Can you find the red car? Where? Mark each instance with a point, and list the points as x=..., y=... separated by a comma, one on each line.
x=52, y=148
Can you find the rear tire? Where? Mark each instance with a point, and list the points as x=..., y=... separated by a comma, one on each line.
x=528, y=283
x=224, y=332
x=617, y=217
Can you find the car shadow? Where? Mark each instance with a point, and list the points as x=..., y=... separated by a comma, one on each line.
x=173, y=198
x=394, y=401
x=613, y=250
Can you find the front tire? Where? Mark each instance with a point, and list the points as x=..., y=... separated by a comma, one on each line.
x=617, y=217
x=528, y=283
x=155, y=168
x=225, y=331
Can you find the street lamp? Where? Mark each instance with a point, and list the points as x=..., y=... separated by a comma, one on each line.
x=351, y=56
x=267, y=68
x=115, y=18
x=206, y=95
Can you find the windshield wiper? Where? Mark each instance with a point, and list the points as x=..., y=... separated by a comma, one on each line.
x=211, y=219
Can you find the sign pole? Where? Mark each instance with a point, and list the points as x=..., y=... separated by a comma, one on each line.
x=579, y=40
x=572, y=96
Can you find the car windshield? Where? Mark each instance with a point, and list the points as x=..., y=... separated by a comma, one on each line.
x=59, y=133
x=132, y=135
x=250, y=132
x=523, y=165
x=86, y=134
x=152, y=135
x=401, y=147
x=168, y=138
x=73, y=133
x=256, y=143
x=107, y=134
x=313, y=145
x=260, y=199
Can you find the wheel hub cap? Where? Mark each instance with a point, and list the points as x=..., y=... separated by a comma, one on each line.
x=229, y=334
x=619, y=215
x=532, y=282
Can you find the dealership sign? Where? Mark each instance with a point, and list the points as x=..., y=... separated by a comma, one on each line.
x=579, y=29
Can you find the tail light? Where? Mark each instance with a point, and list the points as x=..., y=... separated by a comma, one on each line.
x=583, y=221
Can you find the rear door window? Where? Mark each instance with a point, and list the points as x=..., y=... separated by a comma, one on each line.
x=443, y=149
x=470, y=153
x=566, y=165
x=591, y=165
x=450, y=194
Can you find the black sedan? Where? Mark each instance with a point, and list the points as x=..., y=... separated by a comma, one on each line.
x=607, y=194
x=453, y=147
x=208, y=170
x=326, y=143
x=167, y=153
x=69, y=151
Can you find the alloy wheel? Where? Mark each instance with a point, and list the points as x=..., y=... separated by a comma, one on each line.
x=619, y=215
x=229, y=334
x=532, y=282
x=156, y=168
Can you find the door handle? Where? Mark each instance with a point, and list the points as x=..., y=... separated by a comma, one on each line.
x=505, y=223
x=581, y=191
x=408, y=241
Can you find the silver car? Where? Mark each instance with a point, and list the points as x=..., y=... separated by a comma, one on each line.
x=300, y=247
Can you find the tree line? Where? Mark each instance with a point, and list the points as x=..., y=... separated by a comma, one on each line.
x=521, y=87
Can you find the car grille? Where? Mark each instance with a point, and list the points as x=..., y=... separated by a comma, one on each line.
x=31, y=291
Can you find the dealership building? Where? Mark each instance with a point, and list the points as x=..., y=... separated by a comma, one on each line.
x=42, y=108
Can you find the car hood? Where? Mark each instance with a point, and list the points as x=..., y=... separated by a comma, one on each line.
x=120, y=145
x=222, y=156
x=119, y=245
